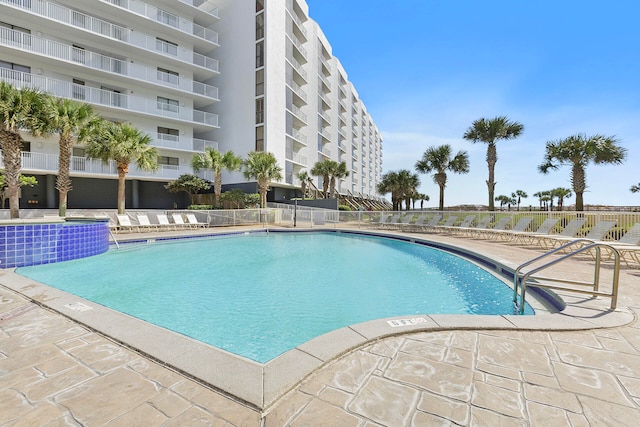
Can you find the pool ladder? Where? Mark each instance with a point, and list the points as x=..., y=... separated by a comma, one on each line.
x=522, y=280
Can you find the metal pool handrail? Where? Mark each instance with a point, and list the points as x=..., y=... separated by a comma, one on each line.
x=521, y=282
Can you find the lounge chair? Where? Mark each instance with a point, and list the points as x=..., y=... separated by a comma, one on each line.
x=529, y=238
x=392, y=220
x=433, y=222
x=597, y=233
x=520, y=227
x=192, y=220
x=125, y=224
x=466, y=223
x=547, y=241
x=163, y=222
x=488, y=233
x=470, y=231
x=628, y=246
x=144, y=223
x=178, y=220
x=448, y=223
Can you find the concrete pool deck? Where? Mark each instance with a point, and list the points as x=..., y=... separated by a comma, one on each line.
x=582, y=369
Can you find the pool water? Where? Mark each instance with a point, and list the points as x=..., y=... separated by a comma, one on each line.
x=258, y=295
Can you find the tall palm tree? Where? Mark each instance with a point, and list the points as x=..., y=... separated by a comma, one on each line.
x=408, y=185
x=439, y=160
x=520, y=194
x=263, y=167
x=578, y=151
x=504, y=200
x=215, y=161
x=20, y=109
x=69, y=119
x=490, y=131
x=305, y=179
x=338, y=171
x=123, y=144
x=390, y=184
x=325, y=169
x=561, y=194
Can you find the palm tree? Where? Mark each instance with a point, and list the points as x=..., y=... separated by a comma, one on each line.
x=402, y=185
x=263, y=167
x=635, y=188
x=490, y=131
x=561, y=194
x=439, y=160
x=543, y=197
x=338, y=172
x=20, y=109
x=503, y=200
x=325, y=169
x=389, y=184
x=305, y=179
x=578, y=151
x=520, y=194
x=123, y=144
x=215, y=161
x=69, y=119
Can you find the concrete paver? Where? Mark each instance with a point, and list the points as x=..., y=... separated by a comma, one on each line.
x=55, y=371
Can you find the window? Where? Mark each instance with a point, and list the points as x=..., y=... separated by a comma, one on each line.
x=16, y=72
x=260, y=26
x=168, y=76
x=78, y=54
x=78, y=90
x=168, y=134
x=111, y=97
x=19, y=34
x=166, y=46
x=259, y=110
x=167, y=18
x=168, y=161
x=260, y=54
x=260, y=82
x=260, y=138
x=166, y=104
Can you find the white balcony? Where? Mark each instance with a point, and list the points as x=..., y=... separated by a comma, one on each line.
x=325, y=82
x=298, y=136
x=326, y=152
x=297, y=112
x=298, y=91
x=297, y=158
x=186, y=144
x=297, y=67
x=325, y=99
x=41, y=162
x=151, y=12
x=325, y=117
x=92, y=95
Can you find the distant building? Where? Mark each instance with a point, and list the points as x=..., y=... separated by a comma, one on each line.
x=193, y=74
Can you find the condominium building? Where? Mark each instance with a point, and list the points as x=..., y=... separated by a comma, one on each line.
x=238, y=75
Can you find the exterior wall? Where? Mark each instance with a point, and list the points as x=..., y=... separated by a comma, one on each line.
x=115, y=58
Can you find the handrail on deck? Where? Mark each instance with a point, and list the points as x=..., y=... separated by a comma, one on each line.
x=586, y=245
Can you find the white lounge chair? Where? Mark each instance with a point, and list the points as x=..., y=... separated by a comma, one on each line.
x=163, y=222
x=144, y=223
x=179, y=221
x=124, y=223
x=192, y=220
x=551, y=240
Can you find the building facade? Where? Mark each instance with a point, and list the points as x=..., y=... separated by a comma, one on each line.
x=234, y=75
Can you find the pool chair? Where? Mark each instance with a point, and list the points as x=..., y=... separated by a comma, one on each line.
x=125, y=224
x=628, y=246
x=520, y=227
x=489, y=233
x=470, y=231
x=455, y=229
x=547, y=241
x=390, y=222
x=448, y=223
x=597, y=233
x=144, y=223
x=163, y=222
x=528, y=238
x=178, y=221
x=193, y=221
x=433, y=222
x=383, y=218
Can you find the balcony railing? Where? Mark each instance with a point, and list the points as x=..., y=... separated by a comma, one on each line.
x=298, y=136
x=103, y=97
x=298, y=90
x=82, y=165
x=295, y=157
x=296, y=66
x=148, y=11
x=298, y=113
x=187, y=144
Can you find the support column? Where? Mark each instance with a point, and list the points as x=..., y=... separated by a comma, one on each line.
x=135, y=194
x=50, y=192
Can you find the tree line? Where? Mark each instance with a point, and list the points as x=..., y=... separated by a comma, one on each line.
x=576, y=151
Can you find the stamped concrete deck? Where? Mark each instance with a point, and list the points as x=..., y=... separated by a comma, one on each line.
x=54, y=371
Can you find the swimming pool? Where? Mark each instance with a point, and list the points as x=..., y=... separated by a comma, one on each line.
x=258, y=295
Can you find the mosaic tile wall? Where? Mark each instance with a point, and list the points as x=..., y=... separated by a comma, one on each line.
x=33, y=244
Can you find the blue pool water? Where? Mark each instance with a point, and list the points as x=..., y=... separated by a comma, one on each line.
x=259, y=295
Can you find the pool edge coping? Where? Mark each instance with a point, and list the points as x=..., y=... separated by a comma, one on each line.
x=260, y=386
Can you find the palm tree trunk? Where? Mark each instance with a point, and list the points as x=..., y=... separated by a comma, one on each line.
x=217, y=187
x=122, y=173
x=579, y=182
x=11, y=146
x=441, y=205
x=63, y=182
x=492, y=158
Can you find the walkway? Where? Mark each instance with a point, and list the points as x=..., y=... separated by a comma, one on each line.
x=54, y=371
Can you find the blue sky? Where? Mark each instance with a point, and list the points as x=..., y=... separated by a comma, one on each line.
x=426, y=69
